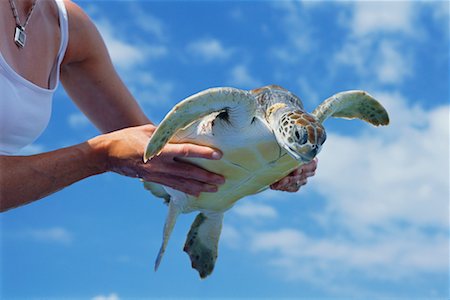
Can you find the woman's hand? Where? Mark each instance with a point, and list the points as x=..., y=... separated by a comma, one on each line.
x=123, y=150
x=297, y=178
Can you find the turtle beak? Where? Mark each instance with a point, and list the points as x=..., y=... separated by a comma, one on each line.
x=304, y=154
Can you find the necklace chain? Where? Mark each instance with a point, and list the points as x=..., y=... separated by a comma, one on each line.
x=16, y=14
x=20, y=35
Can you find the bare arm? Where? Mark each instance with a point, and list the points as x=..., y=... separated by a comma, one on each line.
x=24, y=179
x=90, y=79
x=27, y=178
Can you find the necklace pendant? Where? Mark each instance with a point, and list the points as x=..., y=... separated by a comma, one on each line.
x=20, y=36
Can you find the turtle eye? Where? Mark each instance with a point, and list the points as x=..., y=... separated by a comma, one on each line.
x=302, y=137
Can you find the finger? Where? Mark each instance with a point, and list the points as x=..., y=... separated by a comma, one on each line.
x=295, y=186
x=309, y=174
x=276, y=186
x=296, y=172
x=287, y=188
x=290, y=183
x=279, y=184
x=285, y=184
x=192, y=150
x=310, y=167
x=190, y=171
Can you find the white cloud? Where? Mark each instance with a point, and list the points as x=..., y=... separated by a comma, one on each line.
x=385, y=216
x=241, y=77
x=123, y=54
x=209, y=49
x=254, y=210
x=57, y=235
x=230, y=236
x=441, y=12
x=149, y=23
x=297, y=29
x=377, y=44
x=112, y=296
x=392, y=65
x=385, y=60
x=398, y=173
x=78, y=120
x=237, y=14
x=383, y=16
x=151, y=91
x=309, y=95
x=394, y=256
x=126, y=55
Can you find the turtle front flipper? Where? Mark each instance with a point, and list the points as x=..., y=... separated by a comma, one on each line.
x=202, y=242
x=352, y=105
x=240, y=106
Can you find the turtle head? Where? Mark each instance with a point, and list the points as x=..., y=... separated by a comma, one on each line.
x=300, y=134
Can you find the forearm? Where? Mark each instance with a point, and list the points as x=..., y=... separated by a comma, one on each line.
x=24, y=179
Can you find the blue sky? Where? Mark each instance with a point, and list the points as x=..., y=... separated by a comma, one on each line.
x=373, y=222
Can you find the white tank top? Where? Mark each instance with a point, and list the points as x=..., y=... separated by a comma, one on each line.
x=25, y=108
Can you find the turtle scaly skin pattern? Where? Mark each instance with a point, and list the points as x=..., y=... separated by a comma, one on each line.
x=264, y=134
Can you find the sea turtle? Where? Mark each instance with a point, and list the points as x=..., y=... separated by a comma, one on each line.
x=264, y=135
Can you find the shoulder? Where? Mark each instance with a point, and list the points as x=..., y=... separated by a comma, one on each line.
x=77, y=17
x=84, y=38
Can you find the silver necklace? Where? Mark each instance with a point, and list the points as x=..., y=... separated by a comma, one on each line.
x=20, y=36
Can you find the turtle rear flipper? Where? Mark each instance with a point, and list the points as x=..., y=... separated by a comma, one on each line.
x=352, y=105
x=157, y=190
x=172, y=215
x=202, y=242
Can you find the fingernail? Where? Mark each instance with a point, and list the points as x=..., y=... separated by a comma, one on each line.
x=216, y=155
x=211, y=188
x=219, y=179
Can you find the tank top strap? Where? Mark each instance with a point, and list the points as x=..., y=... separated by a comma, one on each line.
x=64, y=27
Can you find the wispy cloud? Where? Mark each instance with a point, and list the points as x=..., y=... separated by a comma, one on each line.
x=383, y=17
x=149, y=23
x=384, y=61
x=255, y=210
x=112, y=296
x=123, y=54
x=441, y=12
x=231, y=237
x=386, y=212
x=152, y=92
x=209, y=49
x=132, y=57
x=376, y=46
x=77, y=120
x=295, y=24
x=58, y=235
x=126, y=55
x=397, y=176
x=324, y=261
x=240, y=77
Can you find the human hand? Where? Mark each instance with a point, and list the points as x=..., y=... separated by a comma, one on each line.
x=124, y=150
x=297, y=178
